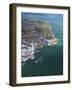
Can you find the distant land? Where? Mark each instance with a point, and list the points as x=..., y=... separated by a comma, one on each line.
x=37, y=31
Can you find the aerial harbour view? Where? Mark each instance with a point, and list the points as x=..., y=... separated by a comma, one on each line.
x=41, y=44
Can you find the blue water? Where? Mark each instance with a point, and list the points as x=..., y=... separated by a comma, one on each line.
x=48, y=60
